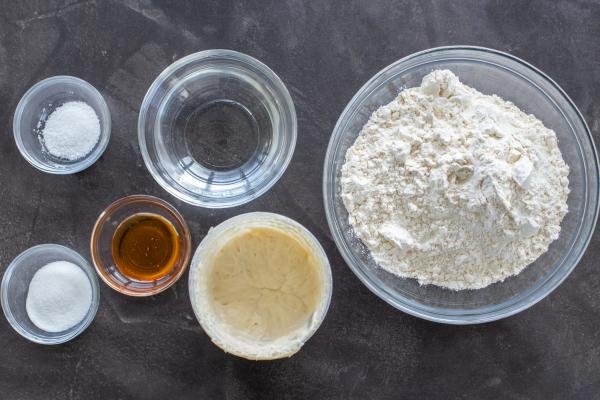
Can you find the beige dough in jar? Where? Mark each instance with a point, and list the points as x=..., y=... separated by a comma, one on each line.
x=264, y=283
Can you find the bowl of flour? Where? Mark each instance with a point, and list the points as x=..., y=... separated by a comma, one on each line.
x=461, y=185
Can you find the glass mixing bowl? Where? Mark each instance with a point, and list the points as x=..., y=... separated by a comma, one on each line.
x=217, y=128
x=490, y=72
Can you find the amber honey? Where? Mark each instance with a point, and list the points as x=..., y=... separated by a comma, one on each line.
x=145, y=247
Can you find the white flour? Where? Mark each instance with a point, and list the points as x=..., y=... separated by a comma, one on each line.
x=454, y=188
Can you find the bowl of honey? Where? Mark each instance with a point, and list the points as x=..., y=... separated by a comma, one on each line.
x=140, y=245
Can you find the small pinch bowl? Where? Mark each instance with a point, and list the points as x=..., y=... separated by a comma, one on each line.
x=15, y=285
x=101, y=244
x=35, y=107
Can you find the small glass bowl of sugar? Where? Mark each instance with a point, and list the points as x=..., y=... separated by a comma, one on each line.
x=61, y=314
x=62, y=125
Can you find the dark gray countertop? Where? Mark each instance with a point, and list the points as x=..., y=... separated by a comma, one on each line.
x=153, y=348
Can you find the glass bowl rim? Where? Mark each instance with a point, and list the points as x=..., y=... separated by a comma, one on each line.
x=551, y=282
x=81, y=326
x=105, y=131
x=116, y=205
x=194, y=58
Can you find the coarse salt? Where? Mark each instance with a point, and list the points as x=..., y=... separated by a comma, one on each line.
x=71, y=131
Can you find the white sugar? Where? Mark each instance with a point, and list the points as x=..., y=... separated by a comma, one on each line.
x=71, y=131
x=59, y=296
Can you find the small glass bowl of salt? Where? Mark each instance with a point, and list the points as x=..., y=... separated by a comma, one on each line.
x=62, y=125
x=46, y=286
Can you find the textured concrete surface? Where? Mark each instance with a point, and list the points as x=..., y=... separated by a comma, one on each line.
x=324, y=51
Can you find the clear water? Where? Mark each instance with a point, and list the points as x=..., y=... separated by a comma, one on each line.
x=221, y=135
x=219, y=129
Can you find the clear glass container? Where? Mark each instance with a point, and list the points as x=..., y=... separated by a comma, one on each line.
x=102, y=236
x=490, y=72
x=35, y=107
x=201, y=302
x=217, y=128
x=15, y=285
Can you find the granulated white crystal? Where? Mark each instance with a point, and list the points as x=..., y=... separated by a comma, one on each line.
x=453, y=187
x=59, y=296
x=71, y=131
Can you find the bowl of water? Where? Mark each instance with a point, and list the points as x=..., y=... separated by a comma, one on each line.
x=217, y=128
